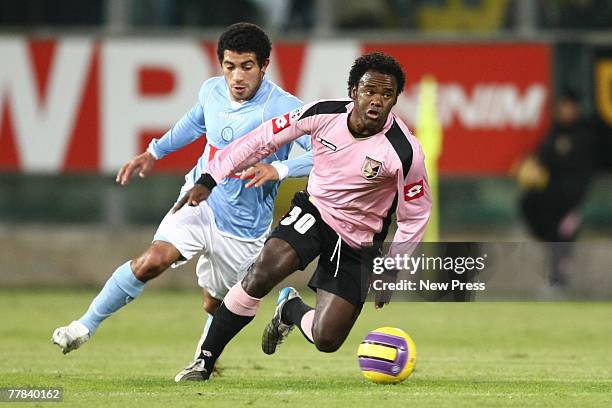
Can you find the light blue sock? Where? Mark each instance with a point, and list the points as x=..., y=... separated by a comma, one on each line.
x=120, y=289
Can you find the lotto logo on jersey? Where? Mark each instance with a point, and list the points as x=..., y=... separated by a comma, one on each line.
x=280, y=123
x=414, y=191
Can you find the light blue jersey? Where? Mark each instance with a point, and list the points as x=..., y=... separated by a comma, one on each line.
x=240, y=212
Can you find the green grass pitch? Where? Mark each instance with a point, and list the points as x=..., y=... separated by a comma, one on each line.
x=475, y=354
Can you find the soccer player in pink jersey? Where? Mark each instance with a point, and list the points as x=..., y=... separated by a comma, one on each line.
x=367, y=166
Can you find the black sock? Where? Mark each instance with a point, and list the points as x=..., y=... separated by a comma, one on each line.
x=224, y=327
x=293, y=311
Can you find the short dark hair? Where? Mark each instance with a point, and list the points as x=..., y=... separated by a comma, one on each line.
x=245, y=37
x=379, y=62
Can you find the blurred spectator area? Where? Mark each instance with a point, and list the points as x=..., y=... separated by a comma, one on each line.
x=324, y=16
x=53, y=13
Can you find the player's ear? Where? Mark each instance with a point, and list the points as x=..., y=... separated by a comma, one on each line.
x=265, y=65
x=396, y=96
x=354, y=93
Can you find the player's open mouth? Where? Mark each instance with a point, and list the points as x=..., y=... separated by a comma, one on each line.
x=372, y=114
x=239, y=89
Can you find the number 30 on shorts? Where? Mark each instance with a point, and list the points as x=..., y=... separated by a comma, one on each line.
x=300, y=223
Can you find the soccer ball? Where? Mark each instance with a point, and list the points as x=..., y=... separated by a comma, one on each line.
x=387, y=355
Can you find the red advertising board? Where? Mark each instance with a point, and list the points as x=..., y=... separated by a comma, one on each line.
x=78, y=104
x=494, y=99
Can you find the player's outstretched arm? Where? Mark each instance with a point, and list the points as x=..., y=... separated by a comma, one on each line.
x=412, y=213
x=257, y=144
x=279, y=170
x=189, y=128
x=141, y=164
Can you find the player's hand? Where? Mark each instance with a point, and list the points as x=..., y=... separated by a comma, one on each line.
x=195, y=196
x=261, y=173
x=383, y=297
x=141, y=164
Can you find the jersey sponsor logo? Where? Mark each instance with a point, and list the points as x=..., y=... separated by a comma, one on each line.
x=280, y=123
x=370, y=168
x=237, y=117
x=283, y=122
x=326, y=143
x=414, y=191
x=296, y=114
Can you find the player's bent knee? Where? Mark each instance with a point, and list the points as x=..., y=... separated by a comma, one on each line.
x=257, y=281
x=326, y=340
x=146, y=267
x=153, y=262
x=327, y=344
x=211, y=304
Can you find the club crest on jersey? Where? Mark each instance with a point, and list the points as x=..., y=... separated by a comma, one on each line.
x=414, y=191
x=370, y=168
x=280, y=123
x=227, y=134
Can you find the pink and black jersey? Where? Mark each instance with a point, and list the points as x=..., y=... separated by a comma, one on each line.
x=355, y=183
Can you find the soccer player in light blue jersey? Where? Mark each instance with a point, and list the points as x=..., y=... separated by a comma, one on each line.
x=230, y=228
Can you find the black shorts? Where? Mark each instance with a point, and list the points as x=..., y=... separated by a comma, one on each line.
x=343, y=274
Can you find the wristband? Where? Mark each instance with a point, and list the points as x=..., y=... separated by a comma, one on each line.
x=207, y=181
x=282, y=169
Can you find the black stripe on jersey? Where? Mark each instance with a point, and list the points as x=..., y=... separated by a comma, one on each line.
x=326, y=107
x=380, y=237
x=402, y=146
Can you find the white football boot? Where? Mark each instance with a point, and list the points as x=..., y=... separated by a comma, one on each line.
x=195, y=371
x=70, y=337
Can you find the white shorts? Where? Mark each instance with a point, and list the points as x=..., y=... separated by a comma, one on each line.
x=225, y=259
